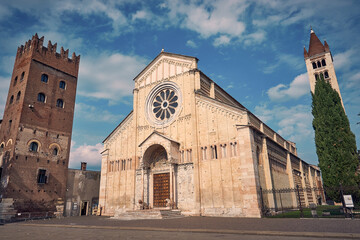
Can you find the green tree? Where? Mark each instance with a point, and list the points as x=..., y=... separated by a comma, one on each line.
x=335, y=143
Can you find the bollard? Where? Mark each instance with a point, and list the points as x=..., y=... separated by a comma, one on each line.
x=313, y=210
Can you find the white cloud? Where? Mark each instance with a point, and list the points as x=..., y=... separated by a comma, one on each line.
x=141, y=15
x=109, y=76
x=223, y=40
x=255, y=38
x=343, y=60
x=85, y=153
x=284, y=59
x=354, y=80
x=220, y=19
x=293, y=123
x=191, y=43
x=297, y=88
x=91, y=113
x=4, y=88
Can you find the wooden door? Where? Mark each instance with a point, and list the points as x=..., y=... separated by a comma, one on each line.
x=161, y=189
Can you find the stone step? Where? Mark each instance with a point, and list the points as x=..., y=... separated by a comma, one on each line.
x=147, y=214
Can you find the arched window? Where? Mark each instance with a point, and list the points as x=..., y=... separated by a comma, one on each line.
x=318, y=64
x=33, y=147
x=15, y=80
x=321, y=76
x=55, y=151
x=18, y=96
x=316, y=76
x=11, y=99
x=62, y=85
x=314, y=65
x=323, y=62
x=22, y=76
x=326, y=74
x=44, y=78
x=41, y=97
x=60, y=103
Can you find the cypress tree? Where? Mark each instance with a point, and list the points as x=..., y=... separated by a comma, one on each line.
x=335, y=143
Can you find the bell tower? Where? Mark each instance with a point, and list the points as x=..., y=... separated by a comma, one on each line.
x=35, y=133
x=319, y=62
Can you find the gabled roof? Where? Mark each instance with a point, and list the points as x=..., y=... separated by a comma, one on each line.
x=315, y=45
x=161, y=135
x=162, y=53
x=127, y=117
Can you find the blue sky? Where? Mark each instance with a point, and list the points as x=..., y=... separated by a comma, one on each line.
x=252, y=49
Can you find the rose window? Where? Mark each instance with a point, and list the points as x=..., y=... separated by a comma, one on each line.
x=165, y=104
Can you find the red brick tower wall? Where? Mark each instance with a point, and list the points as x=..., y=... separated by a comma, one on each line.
x=36, y=179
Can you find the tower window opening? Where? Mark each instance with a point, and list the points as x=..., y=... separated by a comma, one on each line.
x=42, y=178
x=318, y=64
x=321, y=76
x=34, y=146
x=62, y=85
x=11, y=99
x=326, y=74
x=44, y=78
x=18, y=96
x=314, y=65
x=55, y=151
x=316, y=76
x=323, y=62
x=60, y=103
x=41, y=97
x=15, y=80
x=22, y=76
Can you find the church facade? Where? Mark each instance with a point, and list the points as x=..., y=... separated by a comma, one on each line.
x=187, y=144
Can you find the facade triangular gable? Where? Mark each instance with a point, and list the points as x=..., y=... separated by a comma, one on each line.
x=165, y=66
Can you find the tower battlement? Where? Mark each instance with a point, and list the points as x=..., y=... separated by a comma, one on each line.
x=34, y=48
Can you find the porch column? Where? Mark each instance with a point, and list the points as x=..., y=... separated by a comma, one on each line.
x=142, y=182
x=171, y=183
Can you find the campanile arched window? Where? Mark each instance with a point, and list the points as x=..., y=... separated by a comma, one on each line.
x=18, y=96
x=316, y=76
x=323, y=62
x=326, y=74
x=314, y=65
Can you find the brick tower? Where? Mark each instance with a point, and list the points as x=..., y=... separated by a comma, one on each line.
x=35, y=132
x=319, y=62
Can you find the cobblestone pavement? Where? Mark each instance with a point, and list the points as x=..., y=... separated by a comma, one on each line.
x=93, y=227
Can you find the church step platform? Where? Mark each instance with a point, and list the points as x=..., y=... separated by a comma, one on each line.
x=146, y=214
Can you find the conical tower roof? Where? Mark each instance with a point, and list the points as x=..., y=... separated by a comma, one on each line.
x=315, y=45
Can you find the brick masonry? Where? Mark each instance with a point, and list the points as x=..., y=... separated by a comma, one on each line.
x=27, y=120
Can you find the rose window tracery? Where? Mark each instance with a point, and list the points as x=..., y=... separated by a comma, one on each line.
x=165, y=104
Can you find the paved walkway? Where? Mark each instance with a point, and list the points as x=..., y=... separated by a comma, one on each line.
x=183, y=228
